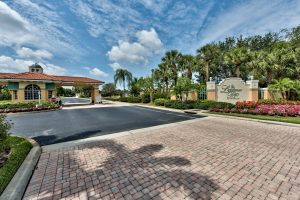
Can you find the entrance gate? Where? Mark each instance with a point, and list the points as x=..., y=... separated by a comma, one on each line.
x=202, y=94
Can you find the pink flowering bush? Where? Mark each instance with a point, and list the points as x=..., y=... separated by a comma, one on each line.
x=286, y=108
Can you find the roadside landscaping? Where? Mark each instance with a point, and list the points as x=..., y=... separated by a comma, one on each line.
x=13, y=151
x=275, y=110
x=295, y=120
x=264, y=107
x=176, y=104
x=9, y=106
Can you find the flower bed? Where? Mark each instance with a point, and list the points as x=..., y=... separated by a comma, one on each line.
x=278, y=108
x=10, y=107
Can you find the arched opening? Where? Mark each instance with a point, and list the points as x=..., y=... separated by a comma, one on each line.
x=32, y=92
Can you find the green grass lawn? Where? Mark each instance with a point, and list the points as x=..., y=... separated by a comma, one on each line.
x=5, y=101
x=295, y=120
x=19, y=148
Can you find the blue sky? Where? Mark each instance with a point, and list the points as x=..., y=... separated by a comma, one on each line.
x=95, y=37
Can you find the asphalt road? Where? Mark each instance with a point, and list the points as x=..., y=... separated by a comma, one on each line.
x=73, y=100
x=71, y=124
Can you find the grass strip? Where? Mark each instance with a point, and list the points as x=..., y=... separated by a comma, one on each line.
x=20, y=147
x=294, y=120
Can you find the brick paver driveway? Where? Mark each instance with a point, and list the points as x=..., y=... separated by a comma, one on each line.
x=209, y=158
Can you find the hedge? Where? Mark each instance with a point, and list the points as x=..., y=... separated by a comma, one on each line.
x=205, y=105
x=6, y=107
x=160, y=101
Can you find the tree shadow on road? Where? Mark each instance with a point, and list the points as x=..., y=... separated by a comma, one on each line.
x=53, y=139
x=136, y=174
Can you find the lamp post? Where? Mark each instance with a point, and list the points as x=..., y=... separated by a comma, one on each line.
x=39, y=98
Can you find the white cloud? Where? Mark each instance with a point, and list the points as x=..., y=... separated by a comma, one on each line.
x=14, y=28
x=157, y=6
x=38, y=26
x=249, y=18
x=9, y=64
x=39, y=54
x=128, y=52
x=98, y=72
x=53, y=69
x=148, y=44
x=150, y=40
x=116, y=66
x=107, y=19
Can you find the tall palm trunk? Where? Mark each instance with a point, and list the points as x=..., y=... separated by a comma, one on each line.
x=167, y=86
x=124, y=87
x=238, y=71
x=151, y=97
x=175, y=73
x=269, y=77
x=190, y=74
x=207, y=71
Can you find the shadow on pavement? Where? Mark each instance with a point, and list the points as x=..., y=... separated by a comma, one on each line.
x=136, y=174
x=52, y=139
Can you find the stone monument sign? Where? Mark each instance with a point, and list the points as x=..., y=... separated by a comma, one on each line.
x=232, y=90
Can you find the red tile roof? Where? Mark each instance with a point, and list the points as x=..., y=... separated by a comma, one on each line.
x=39, y=76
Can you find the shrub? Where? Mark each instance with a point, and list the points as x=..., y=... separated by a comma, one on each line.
x=5, y=95
x=160, y=101
x=112, y=99
x=26, y=106
x=145, y=98
x=205, y=105
x=4, y=128
x=159, y=95
x=272, y=110
x=131, y=99
x=134, y=99
x=276, y=102
x=179, y=104
x=246, y=104
x=123, y=99
x=84, y=96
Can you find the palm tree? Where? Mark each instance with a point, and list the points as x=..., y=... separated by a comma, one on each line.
x=238, y=57
x=284, y=86
x=188, y=64
x=268, y=66
x=207, y=54
x=164, y=73
x=253, y=64
x=171, y=60
x=157, y=79
x=296, y=87
x=135, y=86
x=122, y=76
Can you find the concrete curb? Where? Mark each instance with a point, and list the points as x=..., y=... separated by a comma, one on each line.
x=17, y=186
x=250, y=119
x=63, y=145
